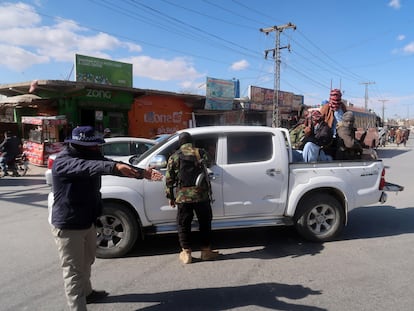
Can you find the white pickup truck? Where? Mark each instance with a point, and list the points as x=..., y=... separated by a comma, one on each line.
x=259, y=187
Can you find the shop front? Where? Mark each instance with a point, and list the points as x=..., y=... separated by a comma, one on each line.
x=100, y=108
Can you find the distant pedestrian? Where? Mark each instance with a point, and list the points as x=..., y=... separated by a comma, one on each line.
x=107, y=133
x=391, y=135
x=406, y=136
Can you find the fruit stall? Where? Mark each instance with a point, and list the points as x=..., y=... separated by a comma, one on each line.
x=43, y=136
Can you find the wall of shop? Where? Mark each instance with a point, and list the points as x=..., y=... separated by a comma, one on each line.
x=158, y=114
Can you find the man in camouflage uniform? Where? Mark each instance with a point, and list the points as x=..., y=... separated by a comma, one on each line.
x=190, y=200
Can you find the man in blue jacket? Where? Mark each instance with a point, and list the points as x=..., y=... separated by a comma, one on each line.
x=76, y=174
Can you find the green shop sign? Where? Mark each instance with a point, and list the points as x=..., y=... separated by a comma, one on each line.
x=107, y=96
x=102, y=71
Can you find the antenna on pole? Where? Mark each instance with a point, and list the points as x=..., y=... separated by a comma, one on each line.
x=383, y=101
x=276, y=57
x=366, y=93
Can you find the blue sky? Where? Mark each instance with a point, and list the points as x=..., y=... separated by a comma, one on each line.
x=174, y=45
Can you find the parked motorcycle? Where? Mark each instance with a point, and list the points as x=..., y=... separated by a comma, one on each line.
x=18, y=168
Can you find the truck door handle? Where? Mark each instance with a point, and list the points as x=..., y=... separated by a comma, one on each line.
x=211, y=176
x=272, y=171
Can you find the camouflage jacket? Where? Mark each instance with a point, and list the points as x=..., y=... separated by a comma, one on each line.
x=185, y=194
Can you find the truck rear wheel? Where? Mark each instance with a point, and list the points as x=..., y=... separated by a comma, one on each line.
x=117, y=231
x=320, y=218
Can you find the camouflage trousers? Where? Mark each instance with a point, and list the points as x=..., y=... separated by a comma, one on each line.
x=185, y=216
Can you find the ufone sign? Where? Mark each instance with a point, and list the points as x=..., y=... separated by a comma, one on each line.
x=100, y=94
x=153, y=117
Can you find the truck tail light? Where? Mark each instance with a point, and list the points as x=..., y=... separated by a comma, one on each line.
x=382, y=181
x=50, y=163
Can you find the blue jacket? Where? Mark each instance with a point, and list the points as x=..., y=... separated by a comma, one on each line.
x=11, y=147
x=76, y=188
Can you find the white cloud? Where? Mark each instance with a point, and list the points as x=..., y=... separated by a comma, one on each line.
x=132, y=47
x=18, y=59
x=25, y=42
x=19, y=14
x=163, y=70
x=240, y=65
x=409, y=48
x=192, y=87
x=21, y=32
x=394, y=4
x=401, y=37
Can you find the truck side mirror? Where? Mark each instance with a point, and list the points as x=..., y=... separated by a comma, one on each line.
x=159, y=161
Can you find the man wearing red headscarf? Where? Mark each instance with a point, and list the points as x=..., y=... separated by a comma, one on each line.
x=332, y=112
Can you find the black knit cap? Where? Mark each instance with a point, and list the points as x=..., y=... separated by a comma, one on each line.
x=185, y=138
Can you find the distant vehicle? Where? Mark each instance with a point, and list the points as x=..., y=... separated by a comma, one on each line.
x=17, y=168
x=122, y=148
x=367, y=121
x=116, y=148
x=160, y=137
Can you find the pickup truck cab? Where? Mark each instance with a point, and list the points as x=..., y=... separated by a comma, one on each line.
x=254, y=184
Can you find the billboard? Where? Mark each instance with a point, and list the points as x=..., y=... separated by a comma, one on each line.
x=219, y=94
x=155, y=115
x=102, y=71
x=262, y=99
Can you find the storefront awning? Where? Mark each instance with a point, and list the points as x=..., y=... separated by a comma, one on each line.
x=19, y=99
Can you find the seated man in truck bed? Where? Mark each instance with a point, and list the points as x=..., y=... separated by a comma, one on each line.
x=349, y=148
x=317, y=136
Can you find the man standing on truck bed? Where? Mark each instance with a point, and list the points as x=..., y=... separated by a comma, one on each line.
x=186, y=170
x=332, y=113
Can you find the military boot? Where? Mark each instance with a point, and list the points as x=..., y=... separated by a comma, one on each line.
x=185, y=256
x=208, y=254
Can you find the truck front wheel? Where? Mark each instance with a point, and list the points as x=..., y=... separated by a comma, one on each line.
x=117, y=231
x=320, y=218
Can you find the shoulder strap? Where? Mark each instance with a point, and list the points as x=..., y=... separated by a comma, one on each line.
x=197, y=154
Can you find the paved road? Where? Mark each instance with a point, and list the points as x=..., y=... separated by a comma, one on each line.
x=369, y=268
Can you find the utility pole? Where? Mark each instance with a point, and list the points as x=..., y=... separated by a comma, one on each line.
x=366, y=93
x=408, y=114
x=383, y=101
x=276, y=57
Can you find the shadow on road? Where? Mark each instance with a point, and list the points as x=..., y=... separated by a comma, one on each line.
x=379, y=221
x=24, y=190
x=269, y=243
x=263, y=295
x=385, y=153
x=278, y=242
